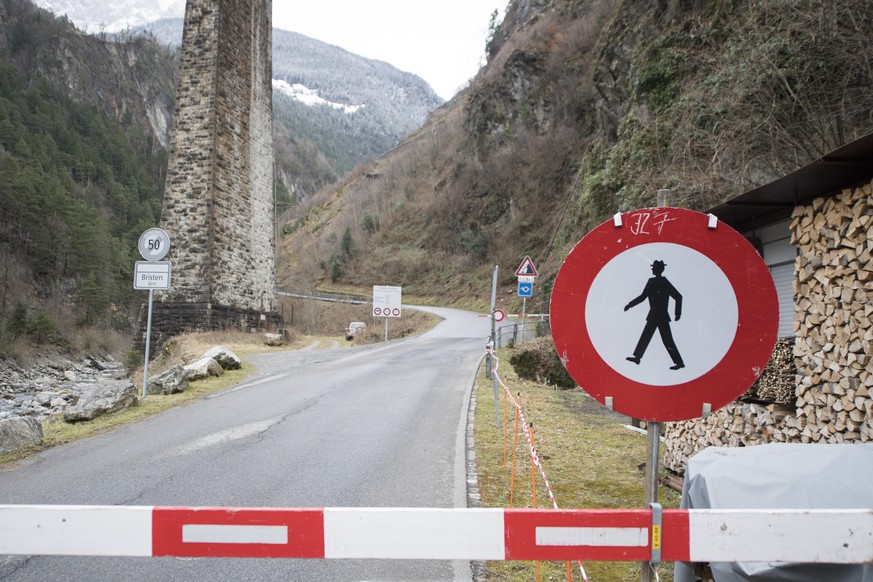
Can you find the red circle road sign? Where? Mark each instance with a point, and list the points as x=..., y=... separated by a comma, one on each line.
x=664, y=313
x=499, y=315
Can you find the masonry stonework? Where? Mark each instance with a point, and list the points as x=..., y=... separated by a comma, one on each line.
x=833, y=323
x=218, y=199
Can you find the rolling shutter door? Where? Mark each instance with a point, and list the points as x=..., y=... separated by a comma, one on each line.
x=778, y=254
x=783, y=278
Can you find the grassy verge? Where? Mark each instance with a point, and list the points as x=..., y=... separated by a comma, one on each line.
x=590, y=458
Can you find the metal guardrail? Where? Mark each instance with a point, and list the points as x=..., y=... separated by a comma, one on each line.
x=517, y=333
x=330, y=297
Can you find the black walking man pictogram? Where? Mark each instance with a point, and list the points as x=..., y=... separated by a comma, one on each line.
x=658, y=291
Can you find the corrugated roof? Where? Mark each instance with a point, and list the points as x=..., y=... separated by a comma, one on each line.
x=827, y=176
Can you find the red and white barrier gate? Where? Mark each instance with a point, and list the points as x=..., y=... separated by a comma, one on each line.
x=822, y=536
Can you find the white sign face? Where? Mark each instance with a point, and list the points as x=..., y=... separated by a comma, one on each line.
x=526, y=279
x=152, y=275
x=154, y=244
x=387, y=301
x=702, y=334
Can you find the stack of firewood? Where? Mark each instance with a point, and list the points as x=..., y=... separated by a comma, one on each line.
x=777, y=382
x=828, y=398
x=834, y=294
x=737, y=424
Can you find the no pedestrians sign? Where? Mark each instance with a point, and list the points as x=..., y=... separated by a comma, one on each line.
x=664, y=314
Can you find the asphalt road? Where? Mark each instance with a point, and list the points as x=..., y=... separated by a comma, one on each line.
x=379, y=425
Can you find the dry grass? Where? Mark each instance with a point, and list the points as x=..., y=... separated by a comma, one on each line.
x=590, y=458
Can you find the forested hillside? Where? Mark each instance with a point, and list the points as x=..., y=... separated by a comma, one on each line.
x=84, y=128
x=586, y=108
x=82, y=174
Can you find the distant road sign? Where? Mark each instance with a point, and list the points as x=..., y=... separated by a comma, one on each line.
x=387, y=301
x=154, y=244
x=499, y=315
x=152, y=275
x=696, y=284
x=525, y=289
x=526, y=268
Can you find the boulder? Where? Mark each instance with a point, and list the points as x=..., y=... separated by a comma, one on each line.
x=103, y=398
x=17, y=433
x=274, y=339
x=203, y=368
x=171, y=381
x=225, y=358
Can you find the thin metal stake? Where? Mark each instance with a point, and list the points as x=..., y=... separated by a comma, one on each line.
x=653, y=463
x=493, y=346
x=653, y=443
x=523, y=321
x=145, y=369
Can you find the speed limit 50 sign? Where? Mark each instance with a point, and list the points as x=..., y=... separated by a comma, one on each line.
x=154, y=244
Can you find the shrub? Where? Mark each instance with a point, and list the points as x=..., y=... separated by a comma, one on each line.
x=43, y=328
x=17, y=324
x=540, y=363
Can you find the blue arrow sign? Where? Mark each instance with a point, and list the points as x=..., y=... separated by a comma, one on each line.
x=525, y=289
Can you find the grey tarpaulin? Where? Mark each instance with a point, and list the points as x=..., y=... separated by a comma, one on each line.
x=780, y=476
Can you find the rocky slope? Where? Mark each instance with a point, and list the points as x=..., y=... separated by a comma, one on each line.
x=586, y=108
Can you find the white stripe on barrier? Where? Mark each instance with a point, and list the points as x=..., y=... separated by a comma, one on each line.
x=76, y=530
x=234, y=534
x=596, y=537
x=821, y=536
x=414, y=533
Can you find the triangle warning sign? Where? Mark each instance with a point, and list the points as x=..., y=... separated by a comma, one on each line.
x=526, y=269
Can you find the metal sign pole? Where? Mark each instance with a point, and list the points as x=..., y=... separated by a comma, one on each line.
x=494, y=347
x=653, y=444
x=386, y=329
x=523, y=321
x=145, y=369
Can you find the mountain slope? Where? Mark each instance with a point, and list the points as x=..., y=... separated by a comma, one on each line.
x=332, y=110
x=93, y=17
x=84, y=126
x=315, y=143
x=382, y=105
x=83, y=170
x=586, y=108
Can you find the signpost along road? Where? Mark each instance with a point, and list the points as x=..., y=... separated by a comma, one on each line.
x=696, y=282
x=387, y=301
x=527, y=274
x=525, y=289
x=151, y=274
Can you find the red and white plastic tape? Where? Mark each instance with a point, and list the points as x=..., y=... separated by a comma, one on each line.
x=820, y=536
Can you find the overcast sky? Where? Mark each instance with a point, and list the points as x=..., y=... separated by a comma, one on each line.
x=441, y=41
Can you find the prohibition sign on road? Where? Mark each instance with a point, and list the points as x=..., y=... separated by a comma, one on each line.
x=665, y=313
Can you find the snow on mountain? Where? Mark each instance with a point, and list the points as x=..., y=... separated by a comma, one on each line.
x=101, y=16
x=310, y=97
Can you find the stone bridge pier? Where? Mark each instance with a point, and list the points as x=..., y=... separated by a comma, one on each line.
x=218, y=206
